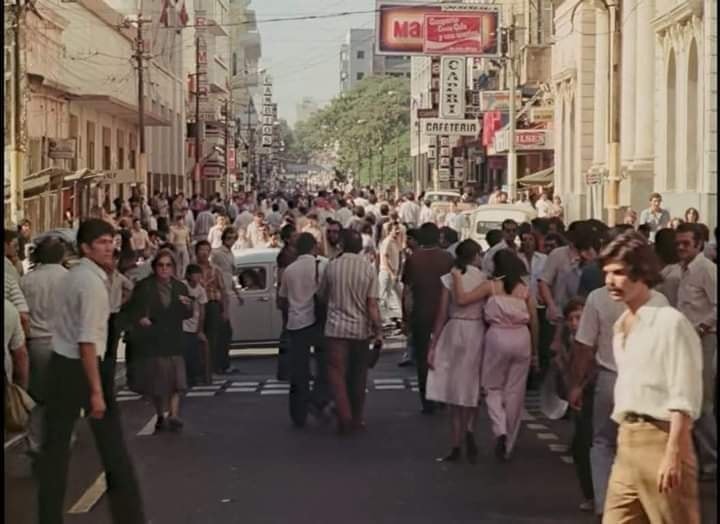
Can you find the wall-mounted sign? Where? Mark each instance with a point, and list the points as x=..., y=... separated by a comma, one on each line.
x=443, y=174
x=542, y=114
x=461, y=33
x=62, y=148
x=401, y=29
x=525, y=140
x=452, y=87
x=427, y=113
x=440, y=126
x=458, y=162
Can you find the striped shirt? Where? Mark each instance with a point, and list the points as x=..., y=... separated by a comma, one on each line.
x=347, y=284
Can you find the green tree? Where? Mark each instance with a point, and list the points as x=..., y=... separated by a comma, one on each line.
x=368, y=126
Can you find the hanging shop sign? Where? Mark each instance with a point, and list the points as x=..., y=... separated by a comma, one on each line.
x=444, y=126
x=455, y=33
x=452, y=87
x=525, y=140
x=403, y=28
x=62, y=148
x=542, y=115
x=498, y=100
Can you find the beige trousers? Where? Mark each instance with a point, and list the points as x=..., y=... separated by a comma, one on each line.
x=633, y=496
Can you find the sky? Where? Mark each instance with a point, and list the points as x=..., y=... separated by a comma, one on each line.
x=303, y=56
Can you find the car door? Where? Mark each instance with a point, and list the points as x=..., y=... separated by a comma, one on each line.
x=251, y=320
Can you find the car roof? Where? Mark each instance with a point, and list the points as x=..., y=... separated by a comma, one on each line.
x=512, y=208
x=256, y=255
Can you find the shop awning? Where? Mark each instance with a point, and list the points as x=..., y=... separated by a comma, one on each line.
x=543, y=178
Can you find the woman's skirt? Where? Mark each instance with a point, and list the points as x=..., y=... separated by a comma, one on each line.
x=160, y=376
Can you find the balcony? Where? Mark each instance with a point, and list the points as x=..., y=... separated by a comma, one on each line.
x=535, y=64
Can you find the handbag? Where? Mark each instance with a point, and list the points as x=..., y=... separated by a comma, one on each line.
x=18, y=406
x=320, y=306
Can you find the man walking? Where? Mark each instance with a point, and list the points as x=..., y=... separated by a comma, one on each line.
x=300, y=282
x=78, y=378
x=655, y=216
x=421, y=277
x=350, y=288
x=658, y=394
x=389, y=276
x=224, y=260
x=697, y=300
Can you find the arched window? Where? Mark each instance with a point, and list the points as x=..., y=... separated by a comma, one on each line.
x=693, y=96
x=671, y=127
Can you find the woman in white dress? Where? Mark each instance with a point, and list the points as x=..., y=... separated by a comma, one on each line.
x=455, y=354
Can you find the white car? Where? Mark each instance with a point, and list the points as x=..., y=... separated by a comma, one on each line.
x=258, y=321
x=485, y=218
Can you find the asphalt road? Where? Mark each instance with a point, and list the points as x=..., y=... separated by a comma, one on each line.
x=240, y=461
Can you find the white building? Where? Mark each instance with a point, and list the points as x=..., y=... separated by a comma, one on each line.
x=306, y=108
x=80, y=92
x=358, y=60
x=668, y=106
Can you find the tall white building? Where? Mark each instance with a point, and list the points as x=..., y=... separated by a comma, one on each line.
x=358, y=60
x=306, y=108
x=668, y=106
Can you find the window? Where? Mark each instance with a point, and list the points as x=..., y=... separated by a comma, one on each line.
x=251, y=278
x=131, y=154
x=360, y=76
x=74, y=133
x=90, y=131
x=361, y=55
x=121, y=149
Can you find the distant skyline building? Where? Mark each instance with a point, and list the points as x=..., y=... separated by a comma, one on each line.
x=358, y=60
x=306, y=108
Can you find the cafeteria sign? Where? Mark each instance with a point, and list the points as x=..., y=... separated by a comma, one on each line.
x=445, y=126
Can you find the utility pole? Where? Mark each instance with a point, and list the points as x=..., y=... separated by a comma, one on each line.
x=228, y=105
x=17, y=151
x=615, y=30
x=198, y=125
x=512, y=153
x=141, y=173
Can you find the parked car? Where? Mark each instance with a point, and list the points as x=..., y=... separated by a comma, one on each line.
x=257, y=322
x=484, y=218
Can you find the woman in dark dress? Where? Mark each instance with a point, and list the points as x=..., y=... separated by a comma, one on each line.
x=158, y=306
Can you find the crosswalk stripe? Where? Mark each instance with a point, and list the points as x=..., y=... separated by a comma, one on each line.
x=274, y=392
x=558, y=448
x=388, y=380
x=547, y=436
x=201, y=394
x=205, y=388
x=128, y=399
x=566, y=459
x=245, y=384
x=240, y=390
x=536, y=426
x=383, y=387
x=91, y=496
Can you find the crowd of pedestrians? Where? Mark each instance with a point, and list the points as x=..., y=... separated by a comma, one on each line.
x=622, y=320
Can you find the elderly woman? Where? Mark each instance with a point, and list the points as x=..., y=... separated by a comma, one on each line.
x=157, y=308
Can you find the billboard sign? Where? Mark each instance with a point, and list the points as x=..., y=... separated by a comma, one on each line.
x=452, y=87
x=497, y=100
x=461, y=33
x=468, y=29
x=445, y=126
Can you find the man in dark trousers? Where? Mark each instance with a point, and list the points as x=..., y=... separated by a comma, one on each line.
x=78, y=378
x=421, y=277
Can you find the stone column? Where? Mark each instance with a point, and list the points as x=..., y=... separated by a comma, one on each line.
x=644, y=86
x=628, y=93
x=600, y=109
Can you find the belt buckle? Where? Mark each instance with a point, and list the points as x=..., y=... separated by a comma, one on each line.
x=633, y=418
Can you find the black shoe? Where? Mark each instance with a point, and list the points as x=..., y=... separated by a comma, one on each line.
x=454, y=456
x=500, y=449
x=160, y=425
x=471, y=447
x=406, y=362
x=175, y=424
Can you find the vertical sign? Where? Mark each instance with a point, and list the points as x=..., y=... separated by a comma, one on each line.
x=452, y=87
x=268, y=115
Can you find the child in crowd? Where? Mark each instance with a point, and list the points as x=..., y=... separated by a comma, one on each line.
x=582, y=414
x=192, y=331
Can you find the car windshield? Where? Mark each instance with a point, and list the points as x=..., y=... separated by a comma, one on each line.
x=482, y=227
x=439, y=197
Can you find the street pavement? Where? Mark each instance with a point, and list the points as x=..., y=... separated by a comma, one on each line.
x=240, y=460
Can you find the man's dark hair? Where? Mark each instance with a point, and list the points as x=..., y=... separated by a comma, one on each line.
x=351, y=241
x=228, y=232
x=286, y=232
x=655, y=195
x=541, y=225
x=359, y=212
x=429, y=235
x=644, y=230
x=557, y=238
x=384, y=210
x=200, y=244
x=305, y=243
x=558, y=223
x=585, y=237
x=508, y=222
x=525, y=229
x=192, y=269
x=449, y=234
x=275, y=207
x=50, y=250
x=92, y=229
x=10, y=235
x=691, y=228
x=633, y=250
x=493, y=236
x=665, y=247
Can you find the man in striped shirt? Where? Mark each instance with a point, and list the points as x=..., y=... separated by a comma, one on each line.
x=350, y=288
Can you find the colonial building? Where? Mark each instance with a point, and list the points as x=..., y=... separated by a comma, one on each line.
x=668, y=106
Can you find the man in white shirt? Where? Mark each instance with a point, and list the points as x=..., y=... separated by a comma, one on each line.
x=224, y=260
x=454, y=218
x=697, y=300
x=543, y=206
x=15, y=356
x=274, y=218
x=409, y=212
x=427, y=214
x=389, y=276
x=655, y=216
x=139, y=239
x=298, y=288
x=243, y=219
x=192, y=332
x=204, y=221
x=510, y=231
x=343, y=213
x=78, y=377
x=658, y=394
x=253, y=233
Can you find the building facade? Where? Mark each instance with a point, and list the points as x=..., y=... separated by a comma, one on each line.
x=358, y=60
x=668, y=106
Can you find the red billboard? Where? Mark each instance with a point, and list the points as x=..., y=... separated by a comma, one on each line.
x=422, y=29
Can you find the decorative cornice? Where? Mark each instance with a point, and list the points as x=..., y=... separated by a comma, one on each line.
x=566, y=75
x=677, y=15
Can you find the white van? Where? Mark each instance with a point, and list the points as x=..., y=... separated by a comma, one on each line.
x=485, y=218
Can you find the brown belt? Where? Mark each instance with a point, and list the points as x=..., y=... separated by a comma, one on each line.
x=638, y=417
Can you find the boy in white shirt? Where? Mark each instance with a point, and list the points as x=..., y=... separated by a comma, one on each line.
x=193, y=335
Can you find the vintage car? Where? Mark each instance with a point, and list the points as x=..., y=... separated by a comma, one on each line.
x=441, y=202
x=484, y=218
x=257, y=322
